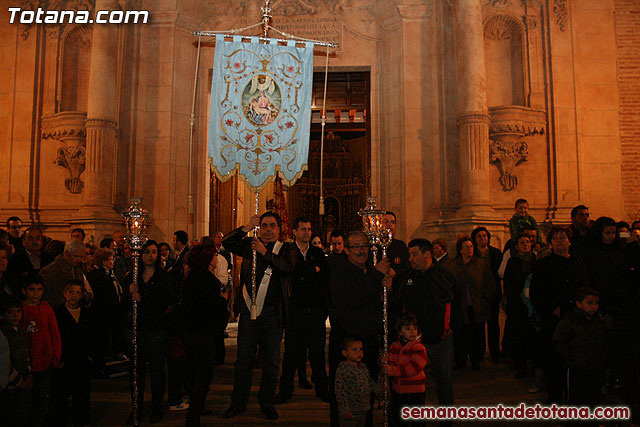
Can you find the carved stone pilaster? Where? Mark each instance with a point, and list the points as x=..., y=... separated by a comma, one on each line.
x=68, y=128
x=473, y=136
x=101, y=149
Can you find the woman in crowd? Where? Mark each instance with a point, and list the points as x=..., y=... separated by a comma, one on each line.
x=88, y=262
x=555, y=281
x=107, y=317
x=518, y=332
x=476, y=287
x=316, y=241
x=154, y=293
x=606, y=266
x=166, y=257
x=205, y=308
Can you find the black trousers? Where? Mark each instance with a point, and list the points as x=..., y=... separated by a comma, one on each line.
x=201, y=350
x=307, y=330
x=371, y=353
x=493, y=328
x=152, y=351
x=470, y=340
x=519, y=336
x=73, y=380
x=264, y=332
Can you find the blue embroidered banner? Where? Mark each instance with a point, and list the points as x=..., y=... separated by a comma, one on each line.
x=260, y=112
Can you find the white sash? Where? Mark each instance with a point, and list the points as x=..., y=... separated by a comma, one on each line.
x=264, y=285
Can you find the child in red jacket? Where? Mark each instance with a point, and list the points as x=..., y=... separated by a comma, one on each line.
x=43, y=340
x=405, y=364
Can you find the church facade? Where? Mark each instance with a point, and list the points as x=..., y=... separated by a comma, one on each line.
x=471, y=105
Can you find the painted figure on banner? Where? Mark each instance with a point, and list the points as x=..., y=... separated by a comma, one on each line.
x=263, y=107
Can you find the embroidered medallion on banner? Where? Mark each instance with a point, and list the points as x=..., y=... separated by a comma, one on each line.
x=260, y=113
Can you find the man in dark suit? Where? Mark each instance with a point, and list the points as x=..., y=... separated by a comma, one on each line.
x=14, y=228
x=398, y=255
x=274, y=265
x=28, y=259
x=307, y=329
x=181, y=246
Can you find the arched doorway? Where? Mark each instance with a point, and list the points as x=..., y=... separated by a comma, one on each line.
x=347, y=155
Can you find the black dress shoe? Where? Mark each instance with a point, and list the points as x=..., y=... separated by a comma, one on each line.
x=305, y=384
x=232, y=411
x=270, y=413
x=282, y=398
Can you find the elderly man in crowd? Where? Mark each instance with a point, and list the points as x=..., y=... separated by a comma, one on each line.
x=66, y=266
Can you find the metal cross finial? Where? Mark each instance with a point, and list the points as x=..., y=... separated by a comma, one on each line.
x=266, y=17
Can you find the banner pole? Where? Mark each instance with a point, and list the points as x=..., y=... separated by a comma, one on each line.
x=324, y=122
x=254, y=291
x=192, y=121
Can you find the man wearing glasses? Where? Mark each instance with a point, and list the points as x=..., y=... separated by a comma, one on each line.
x=14, y=228
x=28, y=259
x=356, y=307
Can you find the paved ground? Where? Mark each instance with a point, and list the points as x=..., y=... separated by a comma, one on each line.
x=492, y=384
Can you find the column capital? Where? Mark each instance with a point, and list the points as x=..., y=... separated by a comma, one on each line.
x=422, y=12
x=474, y=118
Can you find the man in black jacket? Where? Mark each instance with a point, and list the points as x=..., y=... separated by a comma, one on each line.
x=427, y=292
x=308, y=314
x=14, y=228
x=28, y=259
x=181, y=245
x=274, y=265
x=74, y=378
x=356, y=307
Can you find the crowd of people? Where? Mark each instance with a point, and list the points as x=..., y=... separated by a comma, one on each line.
x=570, y=302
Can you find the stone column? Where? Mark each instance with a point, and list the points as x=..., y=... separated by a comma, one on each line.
x=473, y=116
x=101, y=125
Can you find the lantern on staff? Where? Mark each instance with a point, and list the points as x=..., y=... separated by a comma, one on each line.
x=135, y=219
x=372, y=223
x=379, y=236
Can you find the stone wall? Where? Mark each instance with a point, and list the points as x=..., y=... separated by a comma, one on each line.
x=564, y=99
x=627, y=25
